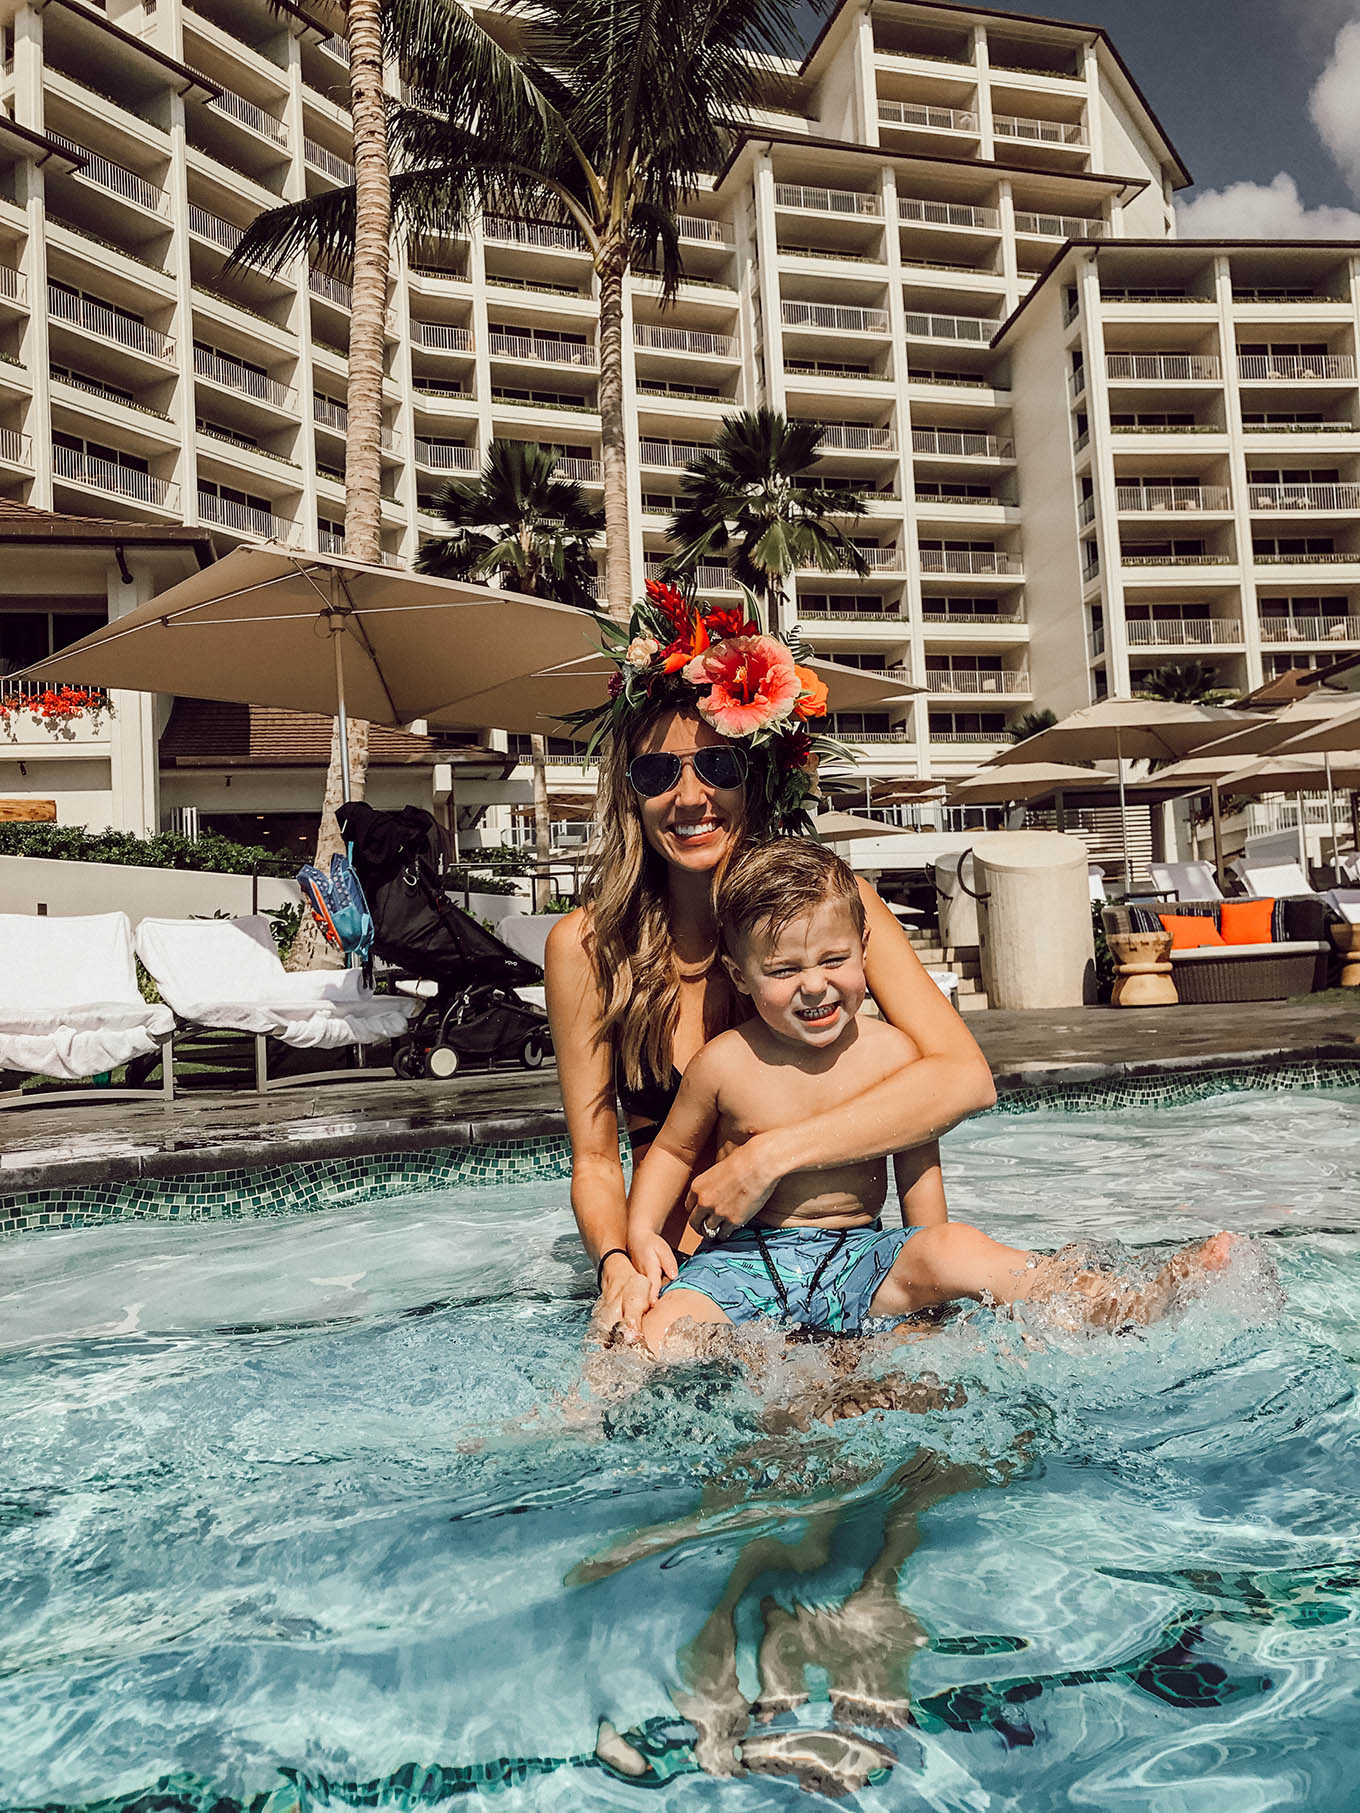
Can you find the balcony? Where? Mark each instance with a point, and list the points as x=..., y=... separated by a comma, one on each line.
x=1304, y=497
x=826, y=315
x=949, y=443
x=543, y=349
x=948, y=214
x=117, y=180
x=232, y=375
x=446, y=456
x=1013, y=682
x=545, y=235
x=686, y=340
x=1294, y=367
x=109, y=476
x=16, y=449
x=236, y=107
x=1060, y=226
x=329, y=163
x=677, y=454
x=245, y=519
x=109, y=324
x=850, y=437
x=1164, y=368
x=13, y=286
x=972, y=622
x=1132, y=558
x=584, y=472
x=916, y=116
x=699, y=231
x=1019, y=129
x=969, y=560
x=1184, y=632
x=218, y=232
x=1310, y=629
x=1155, y=499
x=828, y=201
x=441, y=336
x=710, y=576
x=970, y=330
x=331, y=289
x=329, y=414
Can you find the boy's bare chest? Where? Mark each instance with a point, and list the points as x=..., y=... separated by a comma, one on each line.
x=761, y=1096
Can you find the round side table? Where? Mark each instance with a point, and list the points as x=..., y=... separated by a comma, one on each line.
x=1346, y=938
x=1144, y=978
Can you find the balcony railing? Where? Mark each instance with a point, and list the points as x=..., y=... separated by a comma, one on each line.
x=446, y=456
x=13, y=284
x=542, y=233
x=213, y=228
x=1173, y=497
x=331, y=414
x=968, y=560
x=839, y=320
x=248, y=519
x=115, y=178
x=330, y=163
x=335, y=48
x=1304, y=497
x=670, y=453
x=973, y=329
x=1039, y=132
x=1344, y=559
x=16, y=449
x=1130, y=557
x=933, y=119
x=972, y=620
x=710, y=576
x=1011, y=681
x=1294, y=366
x=235, y=376
x=330, y=289
x=854, y=438
x=1164, y=368
x=585, y=472
x=954, y=443
x=542, y=348
x=441, y=336
x=1086, y=511
x=828, y=201
x=246, y=113
x=705, y=232
x=1184, y=632
x=947, y=214
x=108, y=475
x=1060, y=226
x=1310, y=629
x=109, y=324
x=686, y=340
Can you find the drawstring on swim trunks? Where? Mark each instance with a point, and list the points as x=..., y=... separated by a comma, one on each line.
x=816, y=1278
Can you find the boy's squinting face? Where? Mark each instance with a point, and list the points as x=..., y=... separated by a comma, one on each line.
x=807, y=984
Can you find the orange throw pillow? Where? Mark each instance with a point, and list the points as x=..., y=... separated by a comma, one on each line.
x=1247, y=921
x=1190, y=930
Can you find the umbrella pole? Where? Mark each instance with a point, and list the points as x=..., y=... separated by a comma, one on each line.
x=1216, y=807
x=1123, y=816
x=1303, y=835
x=1332, y=838
x=1059, y=811
x=342, y=718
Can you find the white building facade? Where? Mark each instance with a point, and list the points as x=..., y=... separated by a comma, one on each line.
x=855, y=264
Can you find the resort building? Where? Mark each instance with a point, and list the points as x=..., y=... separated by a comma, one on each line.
x=1088, y=449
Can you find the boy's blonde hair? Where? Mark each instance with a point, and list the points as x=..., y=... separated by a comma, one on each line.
x=771, y=884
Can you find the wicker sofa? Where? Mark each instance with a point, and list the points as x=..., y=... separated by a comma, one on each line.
x=1295, y=962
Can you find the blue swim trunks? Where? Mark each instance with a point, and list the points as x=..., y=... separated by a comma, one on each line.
x=815, y=1277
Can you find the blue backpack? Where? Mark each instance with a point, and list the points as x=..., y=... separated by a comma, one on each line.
x=339, y=908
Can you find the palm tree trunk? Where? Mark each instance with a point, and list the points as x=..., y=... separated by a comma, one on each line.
x=538, y=753
x=611, y=265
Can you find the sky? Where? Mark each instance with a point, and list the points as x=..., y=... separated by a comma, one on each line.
x=1260, y=97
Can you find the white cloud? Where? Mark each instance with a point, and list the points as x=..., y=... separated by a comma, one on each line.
x=1333, y=104
x=1273, y=210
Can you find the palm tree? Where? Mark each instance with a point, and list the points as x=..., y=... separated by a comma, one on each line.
x=532, y=531
x=602, y=115
x=1030, y=723
x=749, y=502
x=1181, y=682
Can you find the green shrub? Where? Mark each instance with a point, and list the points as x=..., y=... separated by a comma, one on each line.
x=167, y=850
x=1106, y=967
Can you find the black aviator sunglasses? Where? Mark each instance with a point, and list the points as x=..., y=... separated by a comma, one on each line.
x=718, y=765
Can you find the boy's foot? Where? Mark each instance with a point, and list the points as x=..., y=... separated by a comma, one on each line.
x=842, y=1399
x=1181, y=1273
x=831, y=1763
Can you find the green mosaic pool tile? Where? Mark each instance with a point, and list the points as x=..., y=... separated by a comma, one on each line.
x=1166, y=1090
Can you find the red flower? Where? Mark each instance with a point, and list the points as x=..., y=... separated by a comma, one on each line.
x=672, y=604
x=691, y=641
x=615, y=685
x=814, y=700
x=728, y=622
x=751, y=684
x=793, y=749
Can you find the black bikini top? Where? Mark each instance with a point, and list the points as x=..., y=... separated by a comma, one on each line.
x=651, y=1100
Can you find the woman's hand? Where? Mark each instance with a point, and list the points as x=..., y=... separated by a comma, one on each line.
x=625, y=1297
x=727, y=1195
x=654, y=1259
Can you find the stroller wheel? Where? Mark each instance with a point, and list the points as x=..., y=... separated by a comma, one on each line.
x=441, y=1061
x=408, y=1061
x=531, y=1052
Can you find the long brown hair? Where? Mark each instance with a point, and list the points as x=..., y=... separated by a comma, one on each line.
x=627, y=899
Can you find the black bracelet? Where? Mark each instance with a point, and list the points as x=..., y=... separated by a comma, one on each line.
x=599, y=1269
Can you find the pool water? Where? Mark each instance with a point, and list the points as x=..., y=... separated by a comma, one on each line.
x=318, y=1511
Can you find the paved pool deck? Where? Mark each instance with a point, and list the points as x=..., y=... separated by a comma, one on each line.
x=95, y=1142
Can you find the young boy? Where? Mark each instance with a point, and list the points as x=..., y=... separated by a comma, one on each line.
x=793, y=934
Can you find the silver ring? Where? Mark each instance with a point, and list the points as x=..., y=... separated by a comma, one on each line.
x=711, y=1227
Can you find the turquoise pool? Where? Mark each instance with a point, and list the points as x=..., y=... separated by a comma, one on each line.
x=315, y=1510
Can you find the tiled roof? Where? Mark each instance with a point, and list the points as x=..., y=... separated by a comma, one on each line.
x=203, y=733
x=21, y=522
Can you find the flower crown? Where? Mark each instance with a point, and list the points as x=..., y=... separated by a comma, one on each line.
x=746, y=683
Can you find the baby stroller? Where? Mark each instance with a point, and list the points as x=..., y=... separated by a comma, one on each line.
x=401, y=859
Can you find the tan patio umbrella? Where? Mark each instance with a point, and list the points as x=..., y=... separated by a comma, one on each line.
x=845, y=827
x=1127, y=730
x=1022, y=781
x=1318, y=723
x=1201, y=773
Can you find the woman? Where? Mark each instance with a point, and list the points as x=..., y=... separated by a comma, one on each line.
x=705, y=746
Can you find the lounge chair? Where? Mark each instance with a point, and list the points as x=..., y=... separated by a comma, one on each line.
x=1271, y=880
x=225, y=974
x=1186, y=880
x=1095, y=883
x=70, y=1007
